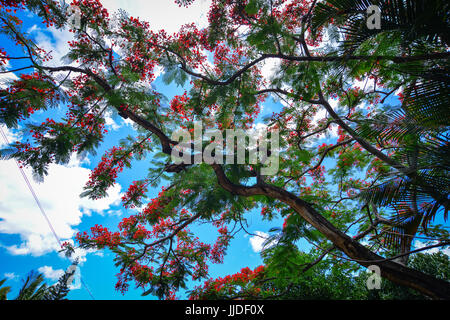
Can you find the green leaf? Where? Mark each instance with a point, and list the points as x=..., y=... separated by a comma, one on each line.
x=174, y=74
x=251, y=8
x=304, y=156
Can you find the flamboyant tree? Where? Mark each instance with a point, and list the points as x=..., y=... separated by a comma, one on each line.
x=387, y=177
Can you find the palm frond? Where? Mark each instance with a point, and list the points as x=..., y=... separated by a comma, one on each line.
x=428, y=101
x=33, y=287
x=413, y=21
x=404, y=225
x=4, y=290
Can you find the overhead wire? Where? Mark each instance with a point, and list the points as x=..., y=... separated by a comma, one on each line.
x=41, y=208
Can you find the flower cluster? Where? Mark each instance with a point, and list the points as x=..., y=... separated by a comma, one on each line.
x=12, y=3
x=179, y=108
x=26, y=95
x=219, y=248
x=244, y=282
x=138, y=42
x=136, y=191
x=106, y=172
x=101, y=237
x=3, y=57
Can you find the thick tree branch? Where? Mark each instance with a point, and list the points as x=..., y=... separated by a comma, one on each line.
x=393, y=271
x=395, y=59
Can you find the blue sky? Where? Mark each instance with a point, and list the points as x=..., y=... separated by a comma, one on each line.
x=26, y=242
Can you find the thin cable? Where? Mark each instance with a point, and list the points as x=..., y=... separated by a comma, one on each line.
x=40, y=207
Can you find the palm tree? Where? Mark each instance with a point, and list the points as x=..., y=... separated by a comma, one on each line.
x=33, y=287
x=4, y=290
x=419, y=126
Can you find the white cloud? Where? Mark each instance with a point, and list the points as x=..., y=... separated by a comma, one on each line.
x=117, y=124
x=10, y=275
x=419, y=245
x=109, y=121
x=59, y=196
x=54, y=41
x=50, y=273
x=54, y=275
x=165, y=15
x=269, y=68
x=6, y=77
x=257, y=241
x=10, y=136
